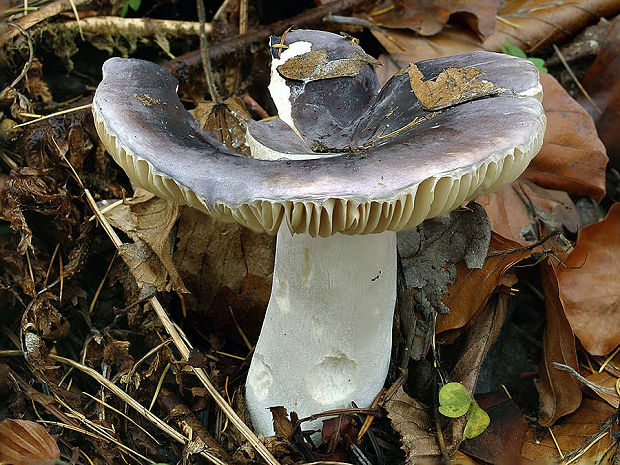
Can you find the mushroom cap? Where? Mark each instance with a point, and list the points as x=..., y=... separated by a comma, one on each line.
x=461, y=152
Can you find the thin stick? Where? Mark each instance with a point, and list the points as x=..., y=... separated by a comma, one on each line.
x=243, y=16
x=58, y=113
x=133, y=403
x=572, y=75
x=204, y=53
x=178, y=337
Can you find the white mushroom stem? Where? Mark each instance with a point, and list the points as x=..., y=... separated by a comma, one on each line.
x=326, y=338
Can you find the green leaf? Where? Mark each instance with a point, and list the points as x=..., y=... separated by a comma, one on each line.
x=477, y=421
x=134, y=4
x=539, y=63
x=124, y=10
x=512, y=49
x=454, y=400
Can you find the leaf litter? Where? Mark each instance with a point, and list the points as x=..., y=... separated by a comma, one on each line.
x=66, y=294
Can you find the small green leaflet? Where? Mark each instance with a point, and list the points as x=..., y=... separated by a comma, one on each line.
x=512, y=49
x=133, y=4
x=477, y=421
x=455, y=401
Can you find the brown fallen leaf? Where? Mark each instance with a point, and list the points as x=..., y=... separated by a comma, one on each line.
x=589, y=285
x=429, y=18
x=228, y=121
x=572, y=158
x=473, y=287
x=502, y=441
x=608, y=384
x=411, y=419
x=223, y=264
x=148, y=220
x=602, y=81
x=534, y=25
x=519, y=210
x=559, y=391
x=571, y=433
x=24, y=442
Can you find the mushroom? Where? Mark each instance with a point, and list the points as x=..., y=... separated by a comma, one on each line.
x=334, y=188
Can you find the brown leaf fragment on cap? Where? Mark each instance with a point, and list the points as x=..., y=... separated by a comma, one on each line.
x=451, y=87
x=314, y=65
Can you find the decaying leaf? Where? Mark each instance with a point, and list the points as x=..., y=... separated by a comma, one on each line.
x=535, y=24
x=224, y=265
x=501, y=442
x=559, y=392
x=314, y=65
x=116, y=353
x=227, y=120
x=602, y=81
x=589, y=285
x=571, y=434
x=572, y=158
x=522, y=211
x=428, y=18
x=473, y=287
x=148, y=220
x=411, y=420
x=451, y=87
x=24, y=442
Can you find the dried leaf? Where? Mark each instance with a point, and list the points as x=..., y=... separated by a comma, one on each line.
x=589, y=285
x=228, y=121
x=602, y=81
x=429, y=18
x=451, y=87
x=535, y=24
x=473, y=287
x=24, y=442
x=572, y=158
x=571, y=434
x=604, y=385
x=518, y=211
x=411, y=420
x=314, y=65
x=559, y=392
x=226, y=254
x=116, y=353
x=501, y=442
x=406, y=47
x=148, y=220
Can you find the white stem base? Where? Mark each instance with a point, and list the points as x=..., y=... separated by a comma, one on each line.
x=327, y=335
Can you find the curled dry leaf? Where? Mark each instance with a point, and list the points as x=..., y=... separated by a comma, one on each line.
x=429, y=18
x=24, y=442
x=559, y=392
x=148, y=220
x=412, y=421
x=602, y=81
x=519, y=210
x=534, y=25
x=473, y=287
x=572, y=158
x=227, y=120
x=572, y=433
x=589, y=285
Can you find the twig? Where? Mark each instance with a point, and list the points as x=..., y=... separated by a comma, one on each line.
x=144, y=27
x=27, y=64
x=525, y=248
x=204, y=54
x=243, y=16
x=34, y=18
x=179, y=339
x=58, y=113
x=572, y=75
x=188, y=63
